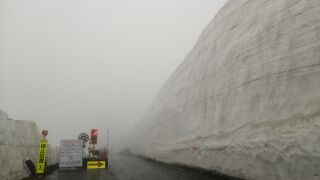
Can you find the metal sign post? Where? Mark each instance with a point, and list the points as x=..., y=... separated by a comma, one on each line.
x=85, y=138
x=108, y=139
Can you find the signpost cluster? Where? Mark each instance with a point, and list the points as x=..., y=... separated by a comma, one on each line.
x=72, y=152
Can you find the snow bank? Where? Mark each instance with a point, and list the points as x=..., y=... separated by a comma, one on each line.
x=19, y=141
x=246, y=100
x=3, y=116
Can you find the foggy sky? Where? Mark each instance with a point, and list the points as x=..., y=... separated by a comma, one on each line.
x=73, y=65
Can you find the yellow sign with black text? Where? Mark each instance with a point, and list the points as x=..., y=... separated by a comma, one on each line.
x=96, y=164
x=42, y=153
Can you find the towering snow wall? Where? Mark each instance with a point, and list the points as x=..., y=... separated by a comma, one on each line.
x=246, y=100
x=19, y=141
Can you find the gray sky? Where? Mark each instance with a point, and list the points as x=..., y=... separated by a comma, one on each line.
x=73, y=65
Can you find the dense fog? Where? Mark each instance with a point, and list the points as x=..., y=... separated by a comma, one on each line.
x=73, y=65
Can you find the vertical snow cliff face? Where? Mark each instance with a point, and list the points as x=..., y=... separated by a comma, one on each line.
x=19, y=141
x=246, y=100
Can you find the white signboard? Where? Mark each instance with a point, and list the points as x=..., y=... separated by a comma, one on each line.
x=71, y=153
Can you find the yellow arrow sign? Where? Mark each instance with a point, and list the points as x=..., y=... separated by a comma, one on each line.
x=96, y=164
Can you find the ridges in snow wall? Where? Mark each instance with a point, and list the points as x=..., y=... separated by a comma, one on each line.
x=246, y=100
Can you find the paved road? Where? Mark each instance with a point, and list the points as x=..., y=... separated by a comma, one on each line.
x=125, y=167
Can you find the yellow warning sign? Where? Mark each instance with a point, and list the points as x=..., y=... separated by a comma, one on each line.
x=96, y=164
x=42, y=153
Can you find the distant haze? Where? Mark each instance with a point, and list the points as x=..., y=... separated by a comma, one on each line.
x=73, y=65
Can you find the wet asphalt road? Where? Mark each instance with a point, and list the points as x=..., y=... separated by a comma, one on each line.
x=126, y=167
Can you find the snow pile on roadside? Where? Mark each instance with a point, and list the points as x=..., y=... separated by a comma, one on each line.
x=19, y=141
x=3, y=115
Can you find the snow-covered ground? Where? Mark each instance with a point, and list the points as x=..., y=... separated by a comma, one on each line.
x=246, y=100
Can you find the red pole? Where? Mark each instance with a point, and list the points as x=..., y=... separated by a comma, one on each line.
x=108, y=144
